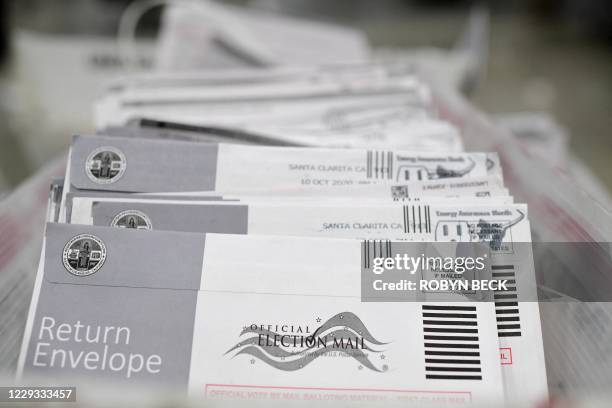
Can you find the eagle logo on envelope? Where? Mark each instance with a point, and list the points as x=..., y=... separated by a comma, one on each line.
x=291, y=348
x=485, y=231
x=84, y=255
x=105, y=165
x=415, y=172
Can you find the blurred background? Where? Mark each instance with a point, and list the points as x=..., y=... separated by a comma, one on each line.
x=551, y=58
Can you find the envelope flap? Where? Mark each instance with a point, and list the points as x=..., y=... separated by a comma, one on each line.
x=227, y=219
x=84, y=255
x=133, y=165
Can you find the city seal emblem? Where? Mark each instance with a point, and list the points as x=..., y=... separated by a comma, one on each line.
x=84, y=255
x=105, y=165
x=132, y=219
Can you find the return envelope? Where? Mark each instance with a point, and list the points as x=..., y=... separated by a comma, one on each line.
x=283, y=315
x=505, y=227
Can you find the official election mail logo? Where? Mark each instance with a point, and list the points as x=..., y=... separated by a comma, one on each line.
x=291, y=347
x=105, y=165
x=132, y=219
x=84, y=255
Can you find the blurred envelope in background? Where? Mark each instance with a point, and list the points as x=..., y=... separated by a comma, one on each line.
x=330, y=110
x=486, y=189
x=231, y=36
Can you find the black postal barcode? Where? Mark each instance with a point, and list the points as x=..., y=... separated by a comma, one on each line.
x=379, y=165
x=506, y=302
x=451, y=343
x=417, y=218
x=371, y=249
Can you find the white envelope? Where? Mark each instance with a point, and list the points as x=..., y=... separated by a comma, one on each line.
x=299, y=284
x=138, y=165
x=273, y=99
x=433, y=191
x=187, y=321
x=505, y=226
x=335, y=218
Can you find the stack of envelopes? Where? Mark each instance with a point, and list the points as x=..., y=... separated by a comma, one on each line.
x=217, y=235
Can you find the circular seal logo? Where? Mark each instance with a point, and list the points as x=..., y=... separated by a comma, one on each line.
x=132, y=219
x=105, y=165
x=84, y=255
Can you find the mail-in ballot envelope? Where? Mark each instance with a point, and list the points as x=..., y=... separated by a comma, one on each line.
x=411, y=191
x=371, y=113
x=418, y=221
x=487, y=188
x=137, y=165
x=284, y=315
x=187, y=215
x=504, y=227
x=419, y=134
x=371, y=108
x=416, y=134
x=255, y=104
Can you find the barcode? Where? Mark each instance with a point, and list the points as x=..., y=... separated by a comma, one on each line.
x=375, y=249
x=379, y=165
x=452, y=347
x=506, y=302
x=417, y=218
